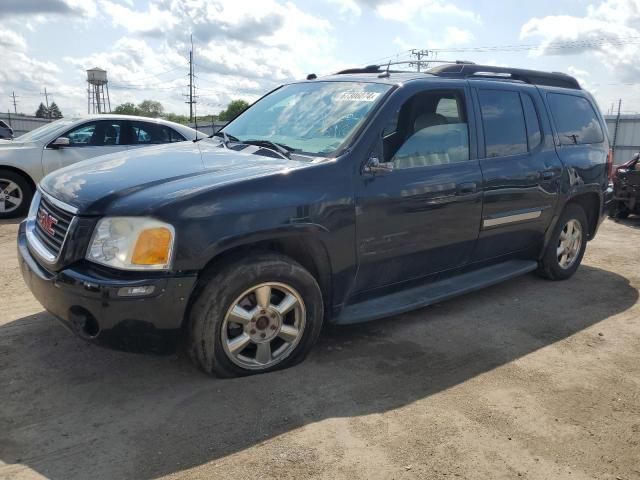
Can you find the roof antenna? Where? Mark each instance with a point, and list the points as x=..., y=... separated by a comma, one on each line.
x=386, y=72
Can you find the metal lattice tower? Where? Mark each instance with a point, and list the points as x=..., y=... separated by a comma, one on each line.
x=97, y=100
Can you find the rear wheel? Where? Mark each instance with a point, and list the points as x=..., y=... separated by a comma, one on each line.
x=15, y=194
x=623, y=213
x=260, y=314
x=567, y=245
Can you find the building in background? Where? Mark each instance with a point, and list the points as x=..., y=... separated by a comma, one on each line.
x=22, y=124
x=627, y=136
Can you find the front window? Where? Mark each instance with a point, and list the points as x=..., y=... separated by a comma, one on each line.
x=315, y=118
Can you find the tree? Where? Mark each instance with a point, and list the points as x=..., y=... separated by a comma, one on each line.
x=150, y=108
x=42, y=111
x=174, y=117
x=54, y=111
x=235, y=108
x=126, y=109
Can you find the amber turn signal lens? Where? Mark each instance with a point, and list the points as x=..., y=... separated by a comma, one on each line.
x=153, y=247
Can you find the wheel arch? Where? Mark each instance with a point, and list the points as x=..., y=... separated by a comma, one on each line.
x=591, y=203
x=303, y=247
x=20, y=172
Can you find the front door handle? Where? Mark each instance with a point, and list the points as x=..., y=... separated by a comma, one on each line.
x=466, y=188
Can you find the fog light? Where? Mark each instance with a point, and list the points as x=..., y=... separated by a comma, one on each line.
x=136, y=291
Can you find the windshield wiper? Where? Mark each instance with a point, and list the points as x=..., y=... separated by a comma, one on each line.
x=225, y=137
x=279, y=147
x=282, y=149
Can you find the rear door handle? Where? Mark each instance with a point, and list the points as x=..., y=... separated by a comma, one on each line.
x=466, y=188
x=547, y=174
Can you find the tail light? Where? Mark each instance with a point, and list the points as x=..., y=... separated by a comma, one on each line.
x=610, y=165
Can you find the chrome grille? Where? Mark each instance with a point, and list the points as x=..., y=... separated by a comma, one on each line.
x=51, y=226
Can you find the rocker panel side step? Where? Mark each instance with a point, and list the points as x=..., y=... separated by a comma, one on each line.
x=418, y=297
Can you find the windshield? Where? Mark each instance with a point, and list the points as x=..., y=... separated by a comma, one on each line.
x=44, y=131
x=314, y=118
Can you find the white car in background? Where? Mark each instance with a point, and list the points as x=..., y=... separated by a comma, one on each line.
x=28, y=158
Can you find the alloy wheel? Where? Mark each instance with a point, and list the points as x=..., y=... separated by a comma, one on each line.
x=569, y=244
x=263, y=325
x=11, y=196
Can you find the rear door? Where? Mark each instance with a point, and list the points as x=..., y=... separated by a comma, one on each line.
x=520, y=167
x=88, y=140
x=422, y=216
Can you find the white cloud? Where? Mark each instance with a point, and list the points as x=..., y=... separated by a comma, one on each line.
x=347, y=9
x=27, y=76
x=608, y=31
x=457, y=36
x=82, y=8
x=410, y=10
x=241, y=50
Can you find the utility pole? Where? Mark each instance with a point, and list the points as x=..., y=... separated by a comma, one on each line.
x=46, y=99
x=419, y=54
x=191, y=96
x=615, y=131
x=15, y=107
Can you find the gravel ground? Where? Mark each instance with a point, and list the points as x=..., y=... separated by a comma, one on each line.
x=528, y=379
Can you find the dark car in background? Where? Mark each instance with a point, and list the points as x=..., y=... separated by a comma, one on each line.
x=626, y=189
x=6, y=132
x=339, y=200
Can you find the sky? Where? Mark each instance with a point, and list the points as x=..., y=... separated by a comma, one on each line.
x=244, y=48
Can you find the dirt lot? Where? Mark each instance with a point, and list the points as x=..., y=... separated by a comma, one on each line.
x=529, y=379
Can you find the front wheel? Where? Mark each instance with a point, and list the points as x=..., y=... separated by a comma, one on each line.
x=259, y=314
x=15, y=194
x=567, y=245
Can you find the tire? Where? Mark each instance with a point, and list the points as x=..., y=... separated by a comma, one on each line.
x=622, y=213
x=554, y=265
x=236, y=292
x=14, y=187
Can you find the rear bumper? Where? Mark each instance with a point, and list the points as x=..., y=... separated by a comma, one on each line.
x=89, y=304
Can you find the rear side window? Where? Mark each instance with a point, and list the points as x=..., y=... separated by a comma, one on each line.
x=153, y=133
x=575, y=119
x=533, y=124
x=503, y=120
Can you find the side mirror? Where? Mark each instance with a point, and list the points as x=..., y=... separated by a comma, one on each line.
x=376, y=167
x=60, y=142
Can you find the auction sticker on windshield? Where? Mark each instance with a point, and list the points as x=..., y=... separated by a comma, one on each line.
x=354, y=96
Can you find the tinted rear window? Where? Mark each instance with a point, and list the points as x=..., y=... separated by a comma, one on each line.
x=575, y=119
x=503, y=119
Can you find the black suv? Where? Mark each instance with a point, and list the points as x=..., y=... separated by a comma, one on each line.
x=335, y=200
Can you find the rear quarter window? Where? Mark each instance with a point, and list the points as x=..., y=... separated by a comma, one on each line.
x=575, y=119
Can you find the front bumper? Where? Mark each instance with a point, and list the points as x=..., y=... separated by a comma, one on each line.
x=86, y=300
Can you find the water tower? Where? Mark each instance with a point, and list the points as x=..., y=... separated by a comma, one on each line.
x=97, y=100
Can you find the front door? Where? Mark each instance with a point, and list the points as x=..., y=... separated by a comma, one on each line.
x=91, y=139
x=418, y=196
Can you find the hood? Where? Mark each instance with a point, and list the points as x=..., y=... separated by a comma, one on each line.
x=13, y=144
x=93, y=185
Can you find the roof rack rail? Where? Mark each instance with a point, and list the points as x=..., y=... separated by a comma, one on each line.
x=383, y=68
x=533, y=77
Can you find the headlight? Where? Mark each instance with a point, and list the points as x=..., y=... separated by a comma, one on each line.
x=132, y=243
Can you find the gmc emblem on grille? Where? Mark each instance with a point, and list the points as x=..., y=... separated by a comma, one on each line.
x=47, y=222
